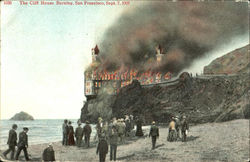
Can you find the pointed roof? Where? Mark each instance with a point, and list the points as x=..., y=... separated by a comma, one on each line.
x=96, y=50
x=160, y=48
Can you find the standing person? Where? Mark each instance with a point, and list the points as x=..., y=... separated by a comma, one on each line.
x=102, y=148
x=49, y=153
x=65, y=129
x=184, y=128
x=110, y=126
x=12, y=142
x=131, y=118
x=113, y=139
x=87, y=131
x=177, y=126
x=123, y=125
x=99, y=127
x=139, y=131
x=105, y=129
x=71, y=140
x=172, y=132
x=154, y=133
x=23, y=144
x=128, y=126
x=79, y=135
x=120, y=130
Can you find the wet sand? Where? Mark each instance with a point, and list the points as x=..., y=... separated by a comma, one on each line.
x=228, y=141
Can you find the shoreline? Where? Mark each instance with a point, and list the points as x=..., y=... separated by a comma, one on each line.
x=206, y=142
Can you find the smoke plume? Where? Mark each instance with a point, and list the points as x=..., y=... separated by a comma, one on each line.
x=185, y=30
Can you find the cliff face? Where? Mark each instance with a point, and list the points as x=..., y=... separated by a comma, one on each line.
x=22, y=116
x=203, y=99
x=237, y=61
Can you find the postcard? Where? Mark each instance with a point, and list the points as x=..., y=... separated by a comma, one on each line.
x=124, y=80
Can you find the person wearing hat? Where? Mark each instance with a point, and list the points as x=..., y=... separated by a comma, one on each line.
x=71, y=140
x=127, y=126
x=113, y=140
x=154, y=133
x=65, y=129
x=132, y=124
x=12, y=142
x=102, y=148
x=177, y=126
x=23, y=144
x=184, y=128
x=87, y=132
x=121, y=130
x=79, y=134
x=99, y=127
x=172, y=131
x=49, y=153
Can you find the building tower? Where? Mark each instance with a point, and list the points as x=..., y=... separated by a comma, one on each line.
x=159, y=55
x=95, y=51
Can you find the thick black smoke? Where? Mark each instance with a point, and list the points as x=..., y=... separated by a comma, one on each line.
x=185, y=30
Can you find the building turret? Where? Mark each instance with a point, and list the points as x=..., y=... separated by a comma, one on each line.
x=95, y=51
x=159, y=55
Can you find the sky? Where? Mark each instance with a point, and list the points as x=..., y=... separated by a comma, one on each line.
x=45, y=50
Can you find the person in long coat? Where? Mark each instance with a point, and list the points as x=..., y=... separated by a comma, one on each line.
x=139, y=131
x=102, y=148
x=71, y=140
x=87, y=132
x=65, y=130
x=79, y=135
x=23, y=144
x=154, y=133
x=184, y=128
x=113, y=140
x=12, y=142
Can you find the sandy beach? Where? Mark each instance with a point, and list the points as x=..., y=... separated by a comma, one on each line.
x=226, y=141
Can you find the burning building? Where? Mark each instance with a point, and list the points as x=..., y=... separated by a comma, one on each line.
x=95, y=79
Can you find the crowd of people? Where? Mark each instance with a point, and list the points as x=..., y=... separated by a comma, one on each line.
x=111, y=133
x=71, y=137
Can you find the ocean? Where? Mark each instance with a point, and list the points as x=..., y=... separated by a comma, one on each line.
x=40, y=131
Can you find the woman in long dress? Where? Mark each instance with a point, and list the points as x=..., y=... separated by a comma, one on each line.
x=71, y=139
x=139, y=131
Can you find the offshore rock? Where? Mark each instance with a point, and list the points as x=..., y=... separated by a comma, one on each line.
x=22, y=116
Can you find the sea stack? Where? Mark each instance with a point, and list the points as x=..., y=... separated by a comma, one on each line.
x=22, y=116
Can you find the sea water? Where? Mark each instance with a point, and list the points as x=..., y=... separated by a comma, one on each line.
x=40, y=131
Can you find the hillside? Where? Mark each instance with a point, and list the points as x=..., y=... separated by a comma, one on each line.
x=237, y=61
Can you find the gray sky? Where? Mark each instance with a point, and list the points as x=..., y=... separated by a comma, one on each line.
x=45, y=50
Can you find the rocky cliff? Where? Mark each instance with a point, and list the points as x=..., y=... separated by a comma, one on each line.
x=208, y=98
x=237, y=61
x=22, y=116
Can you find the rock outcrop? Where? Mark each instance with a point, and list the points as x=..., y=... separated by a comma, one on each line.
x=237, y=61
x=22, y=116
x=208, y=98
